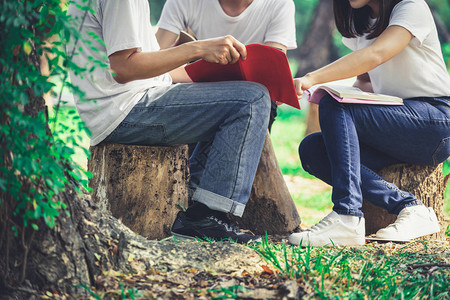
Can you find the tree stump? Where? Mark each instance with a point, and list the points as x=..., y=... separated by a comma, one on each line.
x=427, y=183
x=141, y=185
x=312, y=119
x=270, y=207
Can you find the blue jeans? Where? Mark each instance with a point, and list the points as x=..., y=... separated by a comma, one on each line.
x=358, y=140
x=230, y=117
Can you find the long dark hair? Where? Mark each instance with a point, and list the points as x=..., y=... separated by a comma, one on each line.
x=355, y=22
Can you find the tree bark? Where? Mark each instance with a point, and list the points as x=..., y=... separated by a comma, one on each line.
x=270, y=207
x=312, y=119
x=143, y=186
x=427, y=183
x=317, y=48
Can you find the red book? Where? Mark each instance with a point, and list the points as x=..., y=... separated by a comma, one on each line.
x=264, y=64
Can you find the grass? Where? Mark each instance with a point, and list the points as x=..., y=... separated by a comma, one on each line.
x=362, y=273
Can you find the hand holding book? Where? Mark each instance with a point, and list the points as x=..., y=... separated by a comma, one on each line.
x=264, y=64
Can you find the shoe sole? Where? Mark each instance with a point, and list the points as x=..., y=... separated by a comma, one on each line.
x=184, y=237
x=354, y=242
x=188, y=238
x=396, y=238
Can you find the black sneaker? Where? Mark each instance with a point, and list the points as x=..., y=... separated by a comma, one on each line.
x=211, y=227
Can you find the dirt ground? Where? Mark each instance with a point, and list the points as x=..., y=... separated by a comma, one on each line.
x=254, y=279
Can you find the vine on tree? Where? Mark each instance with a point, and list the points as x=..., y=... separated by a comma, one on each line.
x=36, y=163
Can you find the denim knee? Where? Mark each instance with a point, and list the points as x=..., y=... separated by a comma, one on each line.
x=305, y=155
x=442, y=152
x=253, y=97
x=260, y=96
x=248, y=91
x=307, y=151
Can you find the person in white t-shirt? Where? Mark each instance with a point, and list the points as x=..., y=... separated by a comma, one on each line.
x=269, y=22
x=396, y=52
x=133, y=101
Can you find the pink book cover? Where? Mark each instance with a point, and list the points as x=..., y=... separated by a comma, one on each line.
x=264, y=64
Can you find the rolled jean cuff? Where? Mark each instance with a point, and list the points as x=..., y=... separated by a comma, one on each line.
x=218, y=202
x=349, y=212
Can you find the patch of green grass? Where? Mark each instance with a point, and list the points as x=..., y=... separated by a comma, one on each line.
x=320, y=201
x=361, y=273
x=232, y=292
x=446, y=171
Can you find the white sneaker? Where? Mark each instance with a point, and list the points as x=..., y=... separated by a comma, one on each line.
x=412, y=222
x=331, y=231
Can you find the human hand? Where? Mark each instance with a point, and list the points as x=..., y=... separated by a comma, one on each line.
x=223, y=50
x=302, y=84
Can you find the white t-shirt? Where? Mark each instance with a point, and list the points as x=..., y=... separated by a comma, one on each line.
x=419, y=69
x=121, y=25
x=262, y=21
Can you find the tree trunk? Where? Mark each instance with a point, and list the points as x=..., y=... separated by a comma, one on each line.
x=317, y=48
x=316, y=51
x=143, y=186
x=427, y=183
x=270, y=207
x=312, y=119
x=83, y=248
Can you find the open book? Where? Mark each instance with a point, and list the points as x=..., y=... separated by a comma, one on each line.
x=350, y=94
x=264, y=64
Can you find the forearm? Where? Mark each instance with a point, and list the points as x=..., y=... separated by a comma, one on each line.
x=142, y=65
x=351, y=65
x=129, y=64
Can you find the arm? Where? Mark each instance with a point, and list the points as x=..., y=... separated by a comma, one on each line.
x=165, y=38
x=179, y=75
x=363, y=83
x=276, y=45
x=391, y=42
x=131, y=65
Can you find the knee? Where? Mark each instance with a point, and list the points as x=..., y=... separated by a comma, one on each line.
x=310, y=150
x=254, y=94
x=261, y=97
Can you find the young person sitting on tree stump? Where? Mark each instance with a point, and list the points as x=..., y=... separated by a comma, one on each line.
x=396, y=52
x=135, y=102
